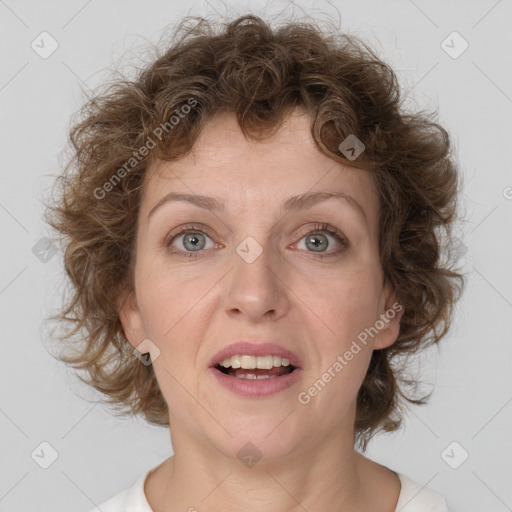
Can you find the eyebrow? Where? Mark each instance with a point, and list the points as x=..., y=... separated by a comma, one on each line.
x=292, y=204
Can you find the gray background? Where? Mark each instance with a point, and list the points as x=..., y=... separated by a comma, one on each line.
x=98, y=454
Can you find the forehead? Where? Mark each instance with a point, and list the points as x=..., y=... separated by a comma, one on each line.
x=244, y=173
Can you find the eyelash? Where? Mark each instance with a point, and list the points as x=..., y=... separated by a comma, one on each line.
x=317, y=228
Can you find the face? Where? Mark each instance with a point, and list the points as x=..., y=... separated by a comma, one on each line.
x=313, y=289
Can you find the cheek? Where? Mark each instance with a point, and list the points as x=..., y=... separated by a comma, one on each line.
x=167, y=295
x=347, y=303
x=176, y=312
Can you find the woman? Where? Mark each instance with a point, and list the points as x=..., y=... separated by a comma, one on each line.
x=254, y=231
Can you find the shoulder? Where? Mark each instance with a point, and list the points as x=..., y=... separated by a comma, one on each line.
x=415, y=497
x=132, y=499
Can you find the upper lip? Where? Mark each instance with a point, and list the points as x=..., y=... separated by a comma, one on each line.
x=255, y=349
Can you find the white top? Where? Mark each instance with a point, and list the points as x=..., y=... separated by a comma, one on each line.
x=413, y=498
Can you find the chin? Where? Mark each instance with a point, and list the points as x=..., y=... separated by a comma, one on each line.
x=259, y=439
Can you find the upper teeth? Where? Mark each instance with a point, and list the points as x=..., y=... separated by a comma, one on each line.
x=253, y=362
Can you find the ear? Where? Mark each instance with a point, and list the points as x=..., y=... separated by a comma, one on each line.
x=390, y=313
x=132, y=322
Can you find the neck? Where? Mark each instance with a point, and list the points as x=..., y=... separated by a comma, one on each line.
x=326, y=475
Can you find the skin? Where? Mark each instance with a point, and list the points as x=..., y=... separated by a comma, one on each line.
x=190, y=307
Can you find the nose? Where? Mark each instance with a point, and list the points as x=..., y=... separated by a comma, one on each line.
x=256, y=288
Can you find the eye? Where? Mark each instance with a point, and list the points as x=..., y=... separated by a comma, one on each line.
x=318, y=241
x=190, y=240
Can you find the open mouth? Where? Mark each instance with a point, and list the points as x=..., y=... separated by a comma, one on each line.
x=255, y=373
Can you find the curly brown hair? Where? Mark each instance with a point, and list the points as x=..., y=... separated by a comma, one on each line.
x=259, y=73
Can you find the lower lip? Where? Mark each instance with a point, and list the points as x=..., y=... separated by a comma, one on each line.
x=256, y=387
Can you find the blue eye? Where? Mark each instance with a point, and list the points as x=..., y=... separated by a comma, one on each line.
x=316, y=239
x=193, y=240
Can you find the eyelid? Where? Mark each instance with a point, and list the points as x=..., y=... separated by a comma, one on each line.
x=183, y=228
x=318, y=227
